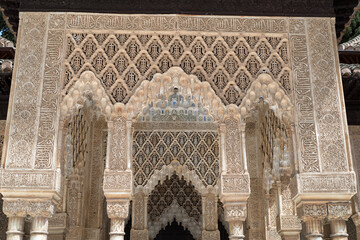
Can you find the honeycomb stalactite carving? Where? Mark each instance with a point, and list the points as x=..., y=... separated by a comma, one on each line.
x=199, y=151
x=174, y=189
x=124, y=60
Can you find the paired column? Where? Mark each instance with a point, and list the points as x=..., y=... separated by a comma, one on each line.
x=336, y=214
x=118, y=211
x=235, y=215
x=210, y=221
x=40, y=211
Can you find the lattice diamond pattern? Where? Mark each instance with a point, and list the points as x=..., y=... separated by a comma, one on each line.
x=220, y=59
x=199, y=151
x=171, y=189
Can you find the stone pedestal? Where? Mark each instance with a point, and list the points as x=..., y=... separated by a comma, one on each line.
x=210, y=235
x=139, y=234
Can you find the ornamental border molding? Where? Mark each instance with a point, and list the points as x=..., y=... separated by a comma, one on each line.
x=174, y=22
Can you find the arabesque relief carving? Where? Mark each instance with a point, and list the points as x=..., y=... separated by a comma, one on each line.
x=174, y=105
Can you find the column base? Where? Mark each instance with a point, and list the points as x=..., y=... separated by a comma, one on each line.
x=139, y=234
x=210, y=235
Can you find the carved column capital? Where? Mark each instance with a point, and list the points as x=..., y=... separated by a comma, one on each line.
x=23, y=207
x=310, y=211
x=118, y=208
x=235, y=212
x=339, y=211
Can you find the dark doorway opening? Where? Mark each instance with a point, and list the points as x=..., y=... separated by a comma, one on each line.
x=174, y=231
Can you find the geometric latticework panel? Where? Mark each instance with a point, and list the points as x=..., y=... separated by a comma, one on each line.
x=198, y=150
x=229, y=62
x=172, y=189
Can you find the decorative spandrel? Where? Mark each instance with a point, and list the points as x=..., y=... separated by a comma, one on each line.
x=175, y=108
x=123, y=60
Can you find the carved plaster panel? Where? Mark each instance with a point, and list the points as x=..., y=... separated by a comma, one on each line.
x=50, y=99
x=238, y=184
x=29, y=67
x=198, y=150
x=308, y=148
x=329, y=117
x=229, y=62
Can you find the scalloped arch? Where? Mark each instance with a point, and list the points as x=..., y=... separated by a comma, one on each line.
x=188, y=85
x=178, y=169
x=87, y=86
x=179, y=213
x=264, y=87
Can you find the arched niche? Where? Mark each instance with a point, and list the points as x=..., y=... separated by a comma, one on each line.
x=181, y=201
x=175, y=211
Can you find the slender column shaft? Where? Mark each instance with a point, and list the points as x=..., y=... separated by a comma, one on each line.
x=117, y=229
x=338, y=229
x=15, y=228
x=39, y=228
x=314, y=229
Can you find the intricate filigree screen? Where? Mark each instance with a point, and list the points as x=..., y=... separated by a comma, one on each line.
x=198, y=150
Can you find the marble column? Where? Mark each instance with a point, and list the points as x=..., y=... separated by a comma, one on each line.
x=118, y=211
x=117, y=228
x=313, y=215
x=314, y=228
x=356, y=219
x=235, y=214
x=39, y=228
x=338, y=213
x=15, y=228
